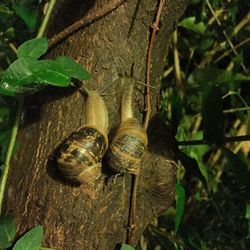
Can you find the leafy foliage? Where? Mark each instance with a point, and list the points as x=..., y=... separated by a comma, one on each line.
x=27, y=74
x=29, y=241
x=7, y=231
x=206, y=106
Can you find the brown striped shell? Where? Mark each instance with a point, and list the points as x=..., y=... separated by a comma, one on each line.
x=80, y=156
x=127, y=148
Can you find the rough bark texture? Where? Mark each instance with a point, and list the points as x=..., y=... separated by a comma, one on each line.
x=94, y=217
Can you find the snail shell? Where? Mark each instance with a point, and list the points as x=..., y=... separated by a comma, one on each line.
x=130, y=142
x=80, y=156
x=127, y=148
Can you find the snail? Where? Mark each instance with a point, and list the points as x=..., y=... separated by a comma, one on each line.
x=130, y=141
x=80, y=156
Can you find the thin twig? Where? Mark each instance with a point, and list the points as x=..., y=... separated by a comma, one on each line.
x=236, y=110
x=132, y=214
x=224, y=33
x=148, y=65
x=168, y=71
x=217, y=14
x=226, y=53
x=218, y=47
x=86, y=20
x=226, y=140
x=144, y=84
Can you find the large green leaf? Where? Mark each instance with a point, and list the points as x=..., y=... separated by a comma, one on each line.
x=212, y=116
x=28, y=15
x=47, y=71
x=191, y=24
x=31, y=240
x=7, y=231
x=180, y=204
x=72, y=69
x=33, y=48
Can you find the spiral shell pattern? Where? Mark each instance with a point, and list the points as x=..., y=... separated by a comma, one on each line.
x=127, y=148
x=80, y=156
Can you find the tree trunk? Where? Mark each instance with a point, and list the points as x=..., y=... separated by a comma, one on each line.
x=94, y=216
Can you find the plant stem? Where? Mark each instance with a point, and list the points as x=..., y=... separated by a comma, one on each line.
x=13, y=135
x=226, y=53
x=242, y=23
x=9, y=151
x=177, y=66
x=236, y=110
x=227, y=139
x=155, y=27
x=46, y=19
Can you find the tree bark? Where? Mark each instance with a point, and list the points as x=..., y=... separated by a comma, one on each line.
x=94, y=216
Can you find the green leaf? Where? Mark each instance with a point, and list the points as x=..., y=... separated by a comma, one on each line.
x=17, y=75
x=212, y=116
x=7, y=231
x=247, y=216
x=204, y=76
x=47, y=71
x=193, y=168
x=10, y=32
x=72, y=69
x=126, y=247
x=18, y=79
x=31, y=240
x=190, y=23
x=203, y=169
x=176, y=108
x=180, y=204
x=28, y=15
x=238, y=167
x=33, y=48
x=206, y=44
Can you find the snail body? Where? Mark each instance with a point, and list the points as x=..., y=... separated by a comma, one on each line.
x=80, y=156
x=130, y=142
